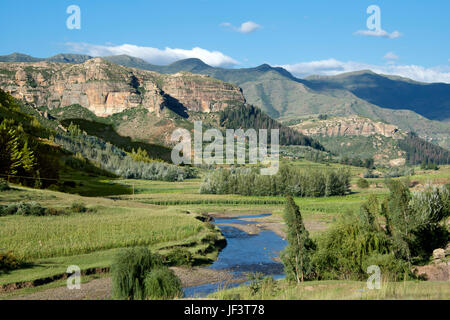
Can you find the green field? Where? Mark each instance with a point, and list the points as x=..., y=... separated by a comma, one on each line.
x=161, y=215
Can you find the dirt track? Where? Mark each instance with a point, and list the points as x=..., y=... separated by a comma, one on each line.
x=100, y=289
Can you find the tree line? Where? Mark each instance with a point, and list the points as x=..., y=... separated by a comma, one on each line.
x=288, y=181
x=248, y=116
x=419, y=150
x=117, y=161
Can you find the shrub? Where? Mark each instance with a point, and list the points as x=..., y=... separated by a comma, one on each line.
x=30, y=209
x=4, y=186
x=392, y=269
x=255, y=280
x=399, y=172
x=362, y=183
x=369, y=174
x=343, y=248
x=78, y=207
x=54, y=212
x=129, y=270
x=8, y=262
x=162, y=284
x=180, y=256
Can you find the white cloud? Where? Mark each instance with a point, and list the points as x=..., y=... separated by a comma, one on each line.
x=334, y=67
x=246, y=27
x=155, y=55
x=390, y=56
x=379, y=33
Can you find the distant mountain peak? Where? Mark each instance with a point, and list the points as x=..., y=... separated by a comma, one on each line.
x=264, y=67
x=190, y=62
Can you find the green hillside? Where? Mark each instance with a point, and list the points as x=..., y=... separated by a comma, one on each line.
x=410, y=105
x=431, y=100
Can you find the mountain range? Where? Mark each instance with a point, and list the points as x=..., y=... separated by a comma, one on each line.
x=112, y=101
x=412, y=106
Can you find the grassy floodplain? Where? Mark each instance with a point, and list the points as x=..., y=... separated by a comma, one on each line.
x=162, y=215
x=339, y=290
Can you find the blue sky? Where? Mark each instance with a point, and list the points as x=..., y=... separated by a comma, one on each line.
x=325, y=37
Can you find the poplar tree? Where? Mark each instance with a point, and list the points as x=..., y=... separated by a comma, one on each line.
x=297, y=255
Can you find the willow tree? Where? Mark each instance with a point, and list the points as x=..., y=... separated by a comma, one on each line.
x=297, y=255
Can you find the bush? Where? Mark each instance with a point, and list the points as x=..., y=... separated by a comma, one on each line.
x=8, y=262
x=392, y=269
x=162, y=284
x=30, y=209
x=362, y=183
x=343, y=248
x=54, y=212
x=369, y=174
x=399, y=172
x=179, y=257
x=4, y=186
x=129, y=270
x=78, y=207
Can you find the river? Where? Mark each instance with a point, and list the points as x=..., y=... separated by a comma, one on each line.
x=243, y=254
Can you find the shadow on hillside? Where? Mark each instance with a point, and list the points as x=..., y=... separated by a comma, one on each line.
x=109, y=134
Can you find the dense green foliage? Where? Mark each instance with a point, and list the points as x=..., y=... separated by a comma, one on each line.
x=416, y=222
x=419, y=150
x=428, y=166
x=162, y=284
x=179, y=257
x=35, y=209
x=288, y=181
x=296, y=256
x=414, y=227
x=129, y=271
x=248, y=116
x=4, y=186
x=362, y=183
x=396, y=172
x=25, y=158
x=344, y=251
x=8, y=262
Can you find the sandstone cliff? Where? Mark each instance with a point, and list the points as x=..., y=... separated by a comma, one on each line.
x=348, y=126
x=106, y=88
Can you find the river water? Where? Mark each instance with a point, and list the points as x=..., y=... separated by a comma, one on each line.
x=243, y=254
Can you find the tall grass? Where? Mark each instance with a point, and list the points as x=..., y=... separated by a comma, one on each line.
x=42, y=237
x=340, y=290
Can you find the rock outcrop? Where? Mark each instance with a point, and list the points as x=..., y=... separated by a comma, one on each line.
x=106, y=88
x=348, y=126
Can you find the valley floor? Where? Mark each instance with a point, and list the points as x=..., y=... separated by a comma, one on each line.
x=162, y=215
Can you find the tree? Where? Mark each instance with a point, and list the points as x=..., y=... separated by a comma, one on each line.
x=297, y=255
x=16, y=156
x=416, y=222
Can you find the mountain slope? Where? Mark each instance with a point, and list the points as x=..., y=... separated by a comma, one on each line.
x=431, y=100
x=125, y=106
x=364, y=138
x=279, y=94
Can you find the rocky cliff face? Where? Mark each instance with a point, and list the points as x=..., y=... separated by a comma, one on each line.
x=106, y=88
x=348, y=126
x=357, y=136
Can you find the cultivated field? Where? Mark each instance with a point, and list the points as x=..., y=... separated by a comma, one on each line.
x=162, y=215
